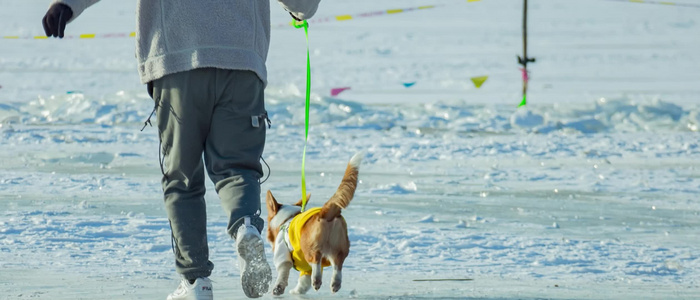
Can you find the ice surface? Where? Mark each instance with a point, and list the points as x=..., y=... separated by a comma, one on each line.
x=591, y=191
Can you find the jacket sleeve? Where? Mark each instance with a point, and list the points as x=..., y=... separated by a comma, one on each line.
x=77, y=6
x=301, y=9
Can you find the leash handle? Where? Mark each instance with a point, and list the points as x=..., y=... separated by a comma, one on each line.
x=305, y=25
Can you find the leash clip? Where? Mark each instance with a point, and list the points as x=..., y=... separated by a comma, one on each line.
x=300, y=24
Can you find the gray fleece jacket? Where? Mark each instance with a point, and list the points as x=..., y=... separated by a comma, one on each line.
x=180, y=35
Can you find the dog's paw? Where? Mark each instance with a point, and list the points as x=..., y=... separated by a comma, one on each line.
x=278, y=290
x=317, y=284
x=335, y=286
x=303, y=285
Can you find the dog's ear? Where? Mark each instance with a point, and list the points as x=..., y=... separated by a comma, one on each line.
x=272, y=205
x=308, y=196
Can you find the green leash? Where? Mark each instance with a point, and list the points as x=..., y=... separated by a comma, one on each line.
x=305, y=25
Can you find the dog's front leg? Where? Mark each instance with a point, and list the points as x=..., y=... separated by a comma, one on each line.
x=303, y=285
x=283, y=263
x=282, y=277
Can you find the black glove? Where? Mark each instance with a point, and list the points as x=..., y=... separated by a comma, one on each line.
x=56, y=18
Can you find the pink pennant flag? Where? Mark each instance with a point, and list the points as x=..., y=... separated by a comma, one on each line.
x=526, y=75
x=336, y=91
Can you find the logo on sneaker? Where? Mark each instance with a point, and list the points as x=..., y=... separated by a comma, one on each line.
x=206, y=288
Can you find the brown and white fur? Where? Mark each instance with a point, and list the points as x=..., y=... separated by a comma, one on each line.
x=324, y=237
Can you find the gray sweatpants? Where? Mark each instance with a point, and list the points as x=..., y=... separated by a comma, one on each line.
x=220, y=114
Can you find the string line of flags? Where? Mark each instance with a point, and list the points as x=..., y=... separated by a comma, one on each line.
x=338, y=18
x=478, y=81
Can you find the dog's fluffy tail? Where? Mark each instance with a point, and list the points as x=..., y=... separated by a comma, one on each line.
x=346, y=190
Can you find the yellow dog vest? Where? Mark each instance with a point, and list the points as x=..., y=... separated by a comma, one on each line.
x=294, y=233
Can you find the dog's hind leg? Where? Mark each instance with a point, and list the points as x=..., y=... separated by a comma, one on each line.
x=337, y=263
x=303, y=285
x=316, y=274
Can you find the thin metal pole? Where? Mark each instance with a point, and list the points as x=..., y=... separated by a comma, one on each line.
x=525, y=58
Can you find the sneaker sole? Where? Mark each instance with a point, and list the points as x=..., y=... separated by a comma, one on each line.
x=256, y=275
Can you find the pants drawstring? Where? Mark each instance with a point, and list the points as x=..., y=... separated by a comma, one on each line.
x=148, y=121
x=161, y=157
x=266, y=118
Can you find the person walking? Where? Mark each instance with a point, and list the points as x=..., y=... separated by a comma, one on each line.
x=204, y=66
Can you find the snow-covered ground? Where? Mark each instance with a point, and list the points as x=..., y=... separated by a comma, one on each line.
x=591, y=192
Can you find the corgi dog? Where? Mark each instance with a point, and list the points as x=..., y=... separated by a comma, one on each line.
x=313, y=239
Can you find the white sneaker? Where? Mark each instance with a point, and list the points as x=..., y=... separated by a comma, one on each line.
x=201, y=289
x=255, y=271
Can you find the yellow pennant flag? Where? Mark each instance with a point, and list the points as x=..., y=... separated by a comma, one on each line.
x=478, y=81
